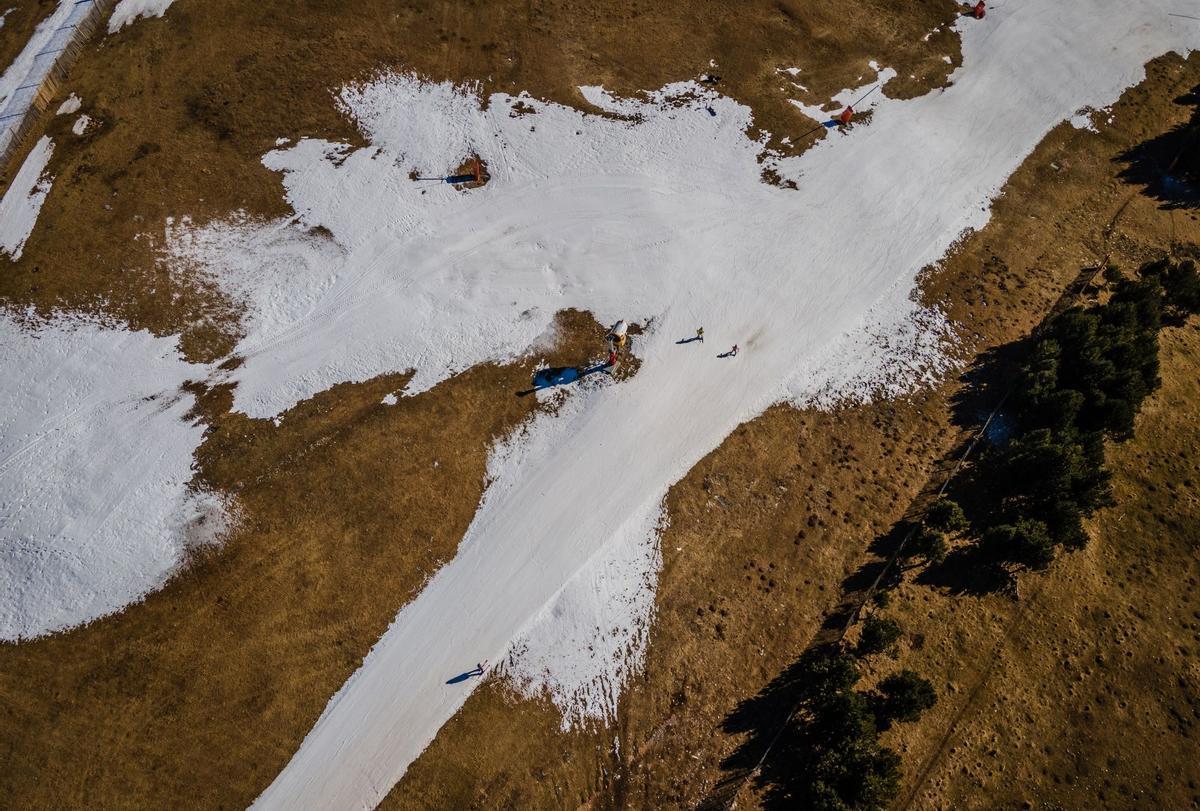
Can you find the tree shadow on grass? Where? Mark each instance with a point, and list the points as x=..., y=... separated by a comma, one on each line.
x=771, y=740
x=1168, y=165
x=764, y=719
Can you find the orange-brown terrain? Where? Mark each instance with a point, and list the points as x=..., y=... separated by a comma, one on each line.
x=1080, y=691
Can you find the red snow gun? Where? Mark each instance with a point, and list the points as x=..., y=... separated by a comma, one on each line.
x=846, y=115
x=978, y=10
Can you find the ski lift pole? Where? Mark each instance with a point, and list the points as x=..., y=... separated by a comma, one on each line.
x=864, y=95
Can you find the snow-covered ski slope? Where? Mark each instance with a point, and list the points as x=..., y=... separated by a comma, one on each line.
x=95, y=459
x=796, y=278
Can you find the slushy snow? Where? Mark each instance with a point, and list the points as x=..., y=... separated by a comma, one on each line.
x=70, y=105
x=129, y=10
x=95, y=459
x=659, y=215
x=23, y=199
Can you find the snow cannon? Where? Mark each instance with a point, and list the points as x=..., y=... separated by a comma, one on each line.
x=978, y=10
x=618, y=335
x=846, y=115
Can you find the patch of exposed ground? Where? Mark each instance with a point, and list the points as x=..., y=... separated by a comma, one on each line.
x=202, y=693
x=186, y=106
x=1084, y=690
x=764, y=530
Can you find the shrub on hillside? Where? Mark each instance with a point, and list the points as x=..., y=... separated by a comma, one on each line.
x=1055, y=478
x=927, y=543
x=837, y=760
x=1181, y=286
x=945, y=515
x=1027, y=542
x=878, y=634
x=902, y=696
x=823, y=675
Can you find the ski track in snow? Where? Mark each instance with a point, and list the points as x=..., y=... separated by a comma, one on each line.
x=661, y=216
x=95, y=459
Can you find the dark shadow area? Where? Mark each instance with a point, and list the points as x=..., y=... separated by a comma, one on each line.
x=461, y=677
x=1168, y=166
x=1035, y=416
x=985, y=382
x=967, y=570
x=763, y=719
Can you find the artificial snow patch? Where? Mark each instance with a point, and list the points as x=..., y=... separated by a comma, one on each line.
x=883, y=359
x=129, y=10
x=81, y=124
x=23, y=80
x=23, y=199
x=71, y=105
x=96, y=448
x=588, y=642
x=390, y=400
x=1082, y=120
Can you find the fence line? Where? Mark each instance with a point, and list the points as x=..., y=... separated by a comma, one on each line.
x=28, y=102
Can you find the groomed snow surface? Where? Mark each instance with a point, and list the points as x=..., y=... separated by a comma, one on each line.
x=659, y=216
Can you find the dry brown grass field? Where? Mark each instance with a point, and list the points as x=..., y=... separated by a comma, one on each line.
x=199, y=695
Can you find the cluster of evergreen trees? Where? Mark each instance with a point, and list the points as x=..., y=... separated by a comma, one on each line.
x=1083, y=382
x=833, y=749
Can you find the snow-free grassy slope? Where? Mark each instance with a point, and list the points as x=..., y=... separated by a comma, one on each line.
x=871, y=211
x=1083, y=693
